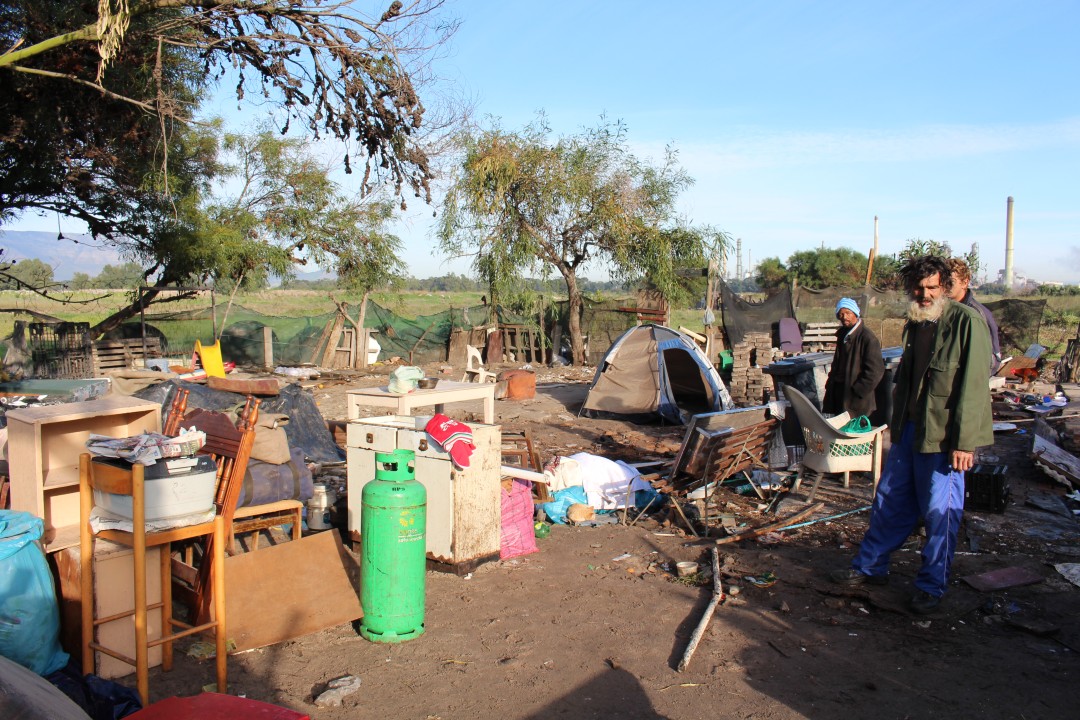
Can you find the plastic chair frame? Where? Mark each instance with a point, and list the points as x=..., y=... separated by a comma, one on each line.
x=476, y=373
x=826, y=443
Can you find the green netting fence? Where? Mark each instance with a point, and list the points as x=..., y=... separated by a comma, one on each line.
x=424, y=339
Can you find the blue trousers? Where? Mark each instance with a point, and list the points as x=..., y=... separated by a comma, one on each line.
x=914, y=485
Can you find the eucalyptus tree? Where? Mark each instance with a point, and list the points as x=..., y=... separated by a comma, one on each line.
x=275, y=206
x=526, y=204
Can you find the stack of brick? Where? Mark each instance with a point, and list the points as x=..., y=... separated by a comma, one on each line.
x=748, y=382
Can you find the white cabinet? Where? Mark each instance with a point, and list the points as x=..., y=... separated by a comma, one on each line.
x=463, y=506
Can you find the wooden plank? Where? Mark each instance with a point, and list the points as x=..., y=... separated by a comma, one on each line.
x=1055, y=462
x=268, y=346
x=323, y=338
x=267, y=605
x=333, y=341
x=245, y=386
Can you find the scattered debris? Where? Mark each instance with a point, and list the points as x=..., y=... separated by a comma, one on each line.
x=768, y=528
x=337, y=690
x=1002, y=579
x=1070, y=571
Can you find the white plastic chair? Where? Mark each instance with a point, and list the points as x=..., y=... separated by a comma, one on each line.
x=475, y=373
x=830, y=450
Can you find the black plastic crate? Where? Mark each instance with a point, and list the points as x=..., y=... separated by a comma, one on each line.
x=986, y=488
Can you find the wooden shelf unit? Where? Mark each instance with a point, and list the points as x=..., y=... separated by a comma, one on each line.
x=44, y=444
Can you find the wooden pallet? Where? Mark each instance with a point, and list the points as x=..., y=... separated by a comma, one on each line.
x=521, y=344
x=120, y=354
x=819, y=337
x=743, y=448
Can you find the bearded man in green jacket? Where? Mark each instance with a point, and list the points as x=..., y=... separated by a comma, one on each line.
x=941, y=414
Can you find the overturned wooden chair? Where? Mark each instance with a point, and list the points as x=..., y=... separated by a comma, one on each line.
x=831, y=450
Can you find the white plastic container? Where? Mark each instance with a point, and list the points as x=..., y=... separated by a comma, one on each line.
x=174, y=487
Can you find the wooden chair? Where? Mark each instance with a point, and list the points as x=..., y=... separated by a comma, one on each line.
x=175, y=414
x=251, y=518
x=517, y=449
x=230, y=447
x=831, y=450
x=128, y=480
x=475, y=373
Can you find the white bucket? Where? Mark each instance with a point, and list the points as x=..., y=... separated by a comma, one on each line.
x=319, y=507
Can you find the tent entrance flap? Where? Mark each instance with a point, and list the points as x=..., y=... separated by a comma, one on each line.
x=687, y=383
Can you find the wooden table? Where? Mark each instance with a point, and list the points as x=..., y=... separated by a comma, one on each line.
x=445, y=393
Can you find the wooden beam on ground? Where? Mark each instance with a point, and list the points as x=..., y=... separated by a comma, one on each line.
x=703, y=623
x=764, y=529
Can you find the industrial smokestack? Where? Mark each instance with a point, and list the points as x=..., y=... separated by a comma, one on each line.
x=1009, y=247
x=875, y=236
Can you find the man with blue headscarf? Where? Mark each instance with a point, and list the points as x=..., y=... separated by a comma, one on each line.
x=857, y=367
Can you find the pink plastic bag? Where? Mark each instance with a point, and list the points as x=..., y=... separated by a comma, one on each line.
x=517, y=521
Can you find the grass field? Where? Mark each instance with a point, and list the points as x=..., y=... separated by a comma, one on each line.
x=1059, y=323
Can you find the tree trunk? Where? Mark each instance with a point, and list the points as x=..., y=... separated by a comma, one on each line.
x=145, y=300
x=577, y=343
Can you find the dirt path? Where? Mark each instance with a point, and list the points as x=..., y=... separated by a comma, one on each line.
x=594, y=624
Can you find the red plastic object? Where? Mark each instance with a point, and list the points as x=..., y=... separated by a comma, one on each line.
x=215, y=706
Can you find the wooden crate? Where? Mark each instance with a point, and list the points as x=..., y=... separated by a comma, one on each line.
x=120, y=354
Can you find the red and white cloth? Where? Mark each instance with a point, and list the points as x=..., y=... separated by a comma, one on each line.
x=454, y=437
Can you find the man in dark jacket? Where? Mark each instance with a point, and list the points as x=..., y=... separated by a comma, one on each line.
x=941, y=414
x=857, y=367
x=961, y=293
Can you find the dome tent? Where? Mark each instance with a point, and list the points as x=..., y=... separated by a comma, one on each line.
x=653, y=370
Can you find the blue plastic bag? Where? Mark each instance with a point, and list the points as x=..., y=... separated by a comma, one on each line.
x=29, y=614
x=562, y=500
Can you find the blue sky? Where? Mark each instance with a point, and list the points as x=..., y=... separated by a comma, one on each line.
x=801, y=121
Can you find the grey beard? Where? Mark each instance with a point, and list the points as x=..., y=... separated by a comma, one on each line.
x=932, y=313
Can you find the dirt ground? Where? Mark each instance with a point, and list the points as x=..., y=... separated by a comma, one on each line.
x=594, y=625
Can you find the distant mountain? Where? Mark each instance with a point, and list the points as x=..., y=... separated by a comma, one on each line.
x=76, y=253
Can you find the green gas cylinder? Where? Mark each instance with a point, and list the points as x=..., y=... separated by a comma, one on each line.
x=393, y=520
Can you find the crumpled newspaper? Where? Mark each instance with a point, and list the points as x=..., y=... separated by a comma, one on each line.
x=102, y=519
x=148, y=448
